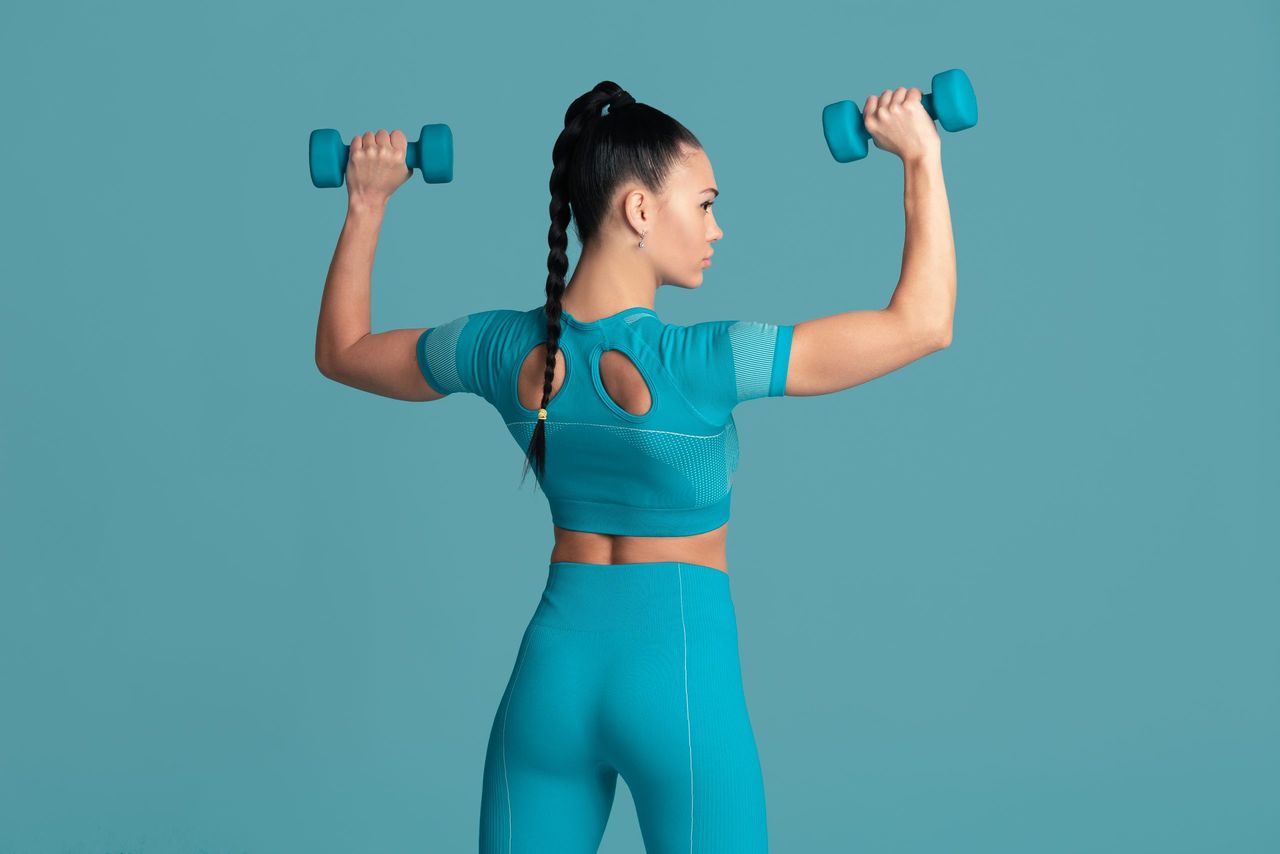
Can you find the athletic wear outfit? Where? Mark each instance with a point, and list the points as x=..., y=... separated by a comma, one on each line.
x=629, y=668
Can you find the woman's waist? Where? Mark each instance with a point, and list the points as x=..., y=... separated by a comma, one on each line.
x=637, y=596
x=706, y=549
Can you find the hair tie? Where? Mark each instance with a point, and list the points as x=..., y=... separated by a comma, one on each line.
x=621, y=98
x=542, y=415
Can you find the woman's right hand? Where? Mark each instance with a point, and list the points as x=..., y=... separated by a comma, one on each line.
x=376, y=166
x=898, y=123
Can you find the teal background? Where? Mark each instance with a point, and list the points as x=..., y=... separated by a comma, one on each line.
x=1015, y=597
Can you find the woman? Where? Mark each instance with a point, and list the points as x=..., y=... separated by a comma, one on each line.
x=630, y=663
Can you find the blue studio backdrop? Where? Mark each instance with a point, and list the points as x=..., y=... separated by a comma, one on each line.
x=1016, y=596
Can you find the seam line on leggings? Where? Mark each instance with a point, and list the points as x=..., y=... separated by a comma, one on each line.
x=505, y=780
x=687, y=718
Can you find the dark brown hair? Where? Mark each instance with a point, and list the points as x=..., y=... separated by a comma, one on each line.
x=593, y=155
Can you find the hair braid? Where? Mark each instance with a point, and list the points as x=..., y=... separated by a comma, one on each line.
x=591, y=156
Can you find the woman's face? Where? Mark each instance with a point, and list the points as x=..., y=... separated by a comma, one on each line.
x=686, y=226
x=679, y=225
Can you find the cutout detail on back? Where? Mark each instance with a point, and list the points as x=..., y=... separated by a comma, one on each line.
x=623, y=382
x=535, y=364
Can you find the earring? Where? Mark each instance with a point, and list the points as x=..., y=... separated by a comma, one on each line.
x=646, y=234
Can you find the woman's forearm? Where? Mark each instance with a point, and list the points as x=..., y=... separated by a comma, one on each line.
x=344, y=308
x=927, y=286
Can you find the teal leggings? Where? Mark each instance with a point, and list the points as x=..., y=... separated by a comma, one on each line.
x=631, y=669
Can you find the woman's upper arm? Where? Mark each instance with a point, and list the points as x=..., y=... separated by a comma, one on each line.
x=837, y=352
x=467, y=354
x=385, y=363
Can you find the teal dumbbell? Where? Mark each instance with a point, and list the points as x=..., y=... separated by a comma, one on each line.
x=432, y=153
x=952, y=103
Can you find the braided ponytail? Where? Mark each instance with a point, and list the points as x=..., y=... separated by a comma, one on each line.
x=593, y=155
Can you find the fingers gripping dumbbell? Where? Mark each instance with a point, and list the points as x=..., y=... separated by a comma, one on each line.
x=951, y=103
x=432, y=153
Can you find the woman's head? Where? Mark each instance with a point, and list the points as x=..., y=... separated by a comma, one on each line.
x=637, y=174
x=639, y=187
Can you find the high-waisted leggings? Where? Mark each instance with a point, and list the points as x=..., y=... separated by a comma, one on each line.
x=631, y=669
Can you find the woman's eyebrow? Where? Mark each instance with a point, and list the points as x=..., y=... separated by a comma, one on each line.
x=711, y=190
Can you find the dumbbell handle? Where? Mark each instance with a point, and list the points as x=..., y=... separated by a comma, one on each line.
x=412, y=156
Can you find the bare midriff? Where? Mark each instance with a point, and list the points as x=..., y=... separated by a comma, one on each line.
x=707, y=548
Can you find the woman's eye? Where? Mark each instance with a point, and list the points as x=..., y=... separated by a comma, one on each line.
x=706, y=205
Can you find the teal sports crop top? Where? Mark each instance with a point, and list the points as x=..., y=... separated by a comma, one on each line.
x=666, y=473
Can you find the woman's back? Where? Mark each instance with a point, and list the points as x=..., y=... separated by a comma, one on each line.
x=641, y=442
